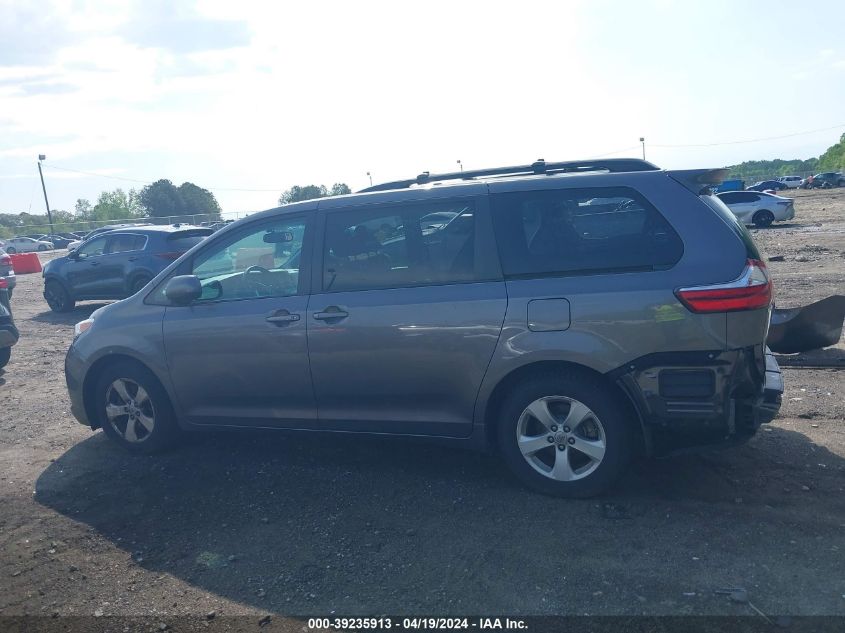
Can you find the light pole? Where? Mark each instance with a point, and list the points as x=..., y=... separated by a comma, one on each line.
x=460, y=164
x=44, y=189
x=370, y=176
x=642, y=140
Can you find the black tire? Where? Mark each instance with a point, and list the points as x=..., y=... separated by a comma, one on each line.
x=763, y=219
x=615, y=419
x=5, y=355
x=11, y=250
x=164, y=432
x=138, y=284
x=41, y=247
x=57, y=297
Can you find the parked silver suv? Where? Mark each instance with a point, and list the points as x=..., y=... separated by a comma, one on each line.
x=567, y=315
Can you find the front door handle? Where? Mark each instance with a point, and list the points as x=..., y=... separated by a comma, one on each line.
x=332, y=312
x=282, y=317
x=94, y=263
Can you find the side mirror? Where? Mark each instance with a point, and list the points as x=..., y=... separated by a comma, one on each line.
x=74, y=255
x=183, y=289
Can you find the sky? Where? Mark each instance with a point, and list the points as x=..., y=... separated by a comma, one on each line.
x=248, y=98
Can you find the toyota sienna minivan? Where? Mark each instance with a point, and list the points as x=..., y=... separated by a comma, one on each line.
x=566, y=316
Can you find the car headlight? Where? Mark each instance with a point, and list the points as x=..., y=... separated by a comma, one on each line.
x=82, y=326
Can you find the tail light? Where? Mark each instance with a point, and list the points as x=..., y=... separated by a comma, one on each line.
x=751, y=291
x=5, y=260
x=171, y=255
x=3, y=283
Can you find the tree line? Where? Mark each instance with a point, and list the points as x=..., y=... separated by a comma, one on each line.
x=159, y=201
x=833, y=159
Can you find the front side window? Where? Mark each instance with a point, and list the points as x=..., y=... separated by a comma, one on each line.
x=93, y=248
x=262, y=261
x=398, y=246
x=576, y=231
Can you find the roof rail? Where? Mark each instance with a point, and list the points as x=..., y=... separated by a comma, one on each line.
x=539, y=166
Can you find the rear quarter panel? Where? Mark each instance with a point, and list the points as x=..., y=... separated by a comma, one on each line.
x=616, y=318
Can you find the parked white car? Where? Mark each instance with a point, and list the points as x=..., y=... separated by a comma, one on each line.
x=26, y=245
x=758, y=208
x=793, y=182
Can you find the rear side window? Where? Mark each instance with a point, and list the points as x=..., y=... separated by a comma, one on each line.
x=123, y=243
x=578, y=231
x=183, y=242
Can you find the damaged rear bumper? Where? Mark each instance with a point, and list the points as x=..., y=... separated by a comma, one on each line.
x=698, y=399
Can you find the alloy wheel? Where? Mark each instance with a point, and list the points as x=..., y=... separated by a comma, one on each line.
x=561, y=438
x=54, y=297
x=130, y=410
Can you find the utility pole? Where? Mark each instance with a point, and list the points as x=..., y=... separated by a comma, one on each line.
x=642, y=140
x=44, y=189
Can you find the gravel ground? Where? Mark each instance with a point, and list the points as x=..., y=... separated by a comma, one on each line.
x=257, y=524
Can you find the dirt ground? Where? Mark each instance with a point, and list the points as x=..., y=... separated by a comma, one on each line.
x=258, y=524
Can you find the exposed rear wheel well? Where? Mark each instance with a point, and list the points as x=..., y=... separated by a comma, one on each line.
x=92, y=377
x=544, y=368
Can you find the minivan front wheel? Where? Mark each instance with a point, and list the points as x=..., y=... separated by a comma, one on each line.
x=134, y=409
x=57, y=297
x=567, y=436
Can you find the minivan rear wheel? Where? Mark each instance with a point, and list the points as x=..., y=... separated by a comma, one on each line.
x=133, y=409
x=762, y=219
x=565, y=435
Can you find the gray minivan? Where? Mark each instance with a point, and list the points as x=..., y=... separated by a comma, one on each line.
x=568, y=316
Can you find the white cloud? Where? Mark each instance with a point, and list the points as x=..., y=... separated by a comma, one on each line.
x=253, y=94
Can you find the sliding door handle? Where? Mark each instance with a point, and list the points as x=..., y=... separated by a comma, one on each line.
x=332, y=312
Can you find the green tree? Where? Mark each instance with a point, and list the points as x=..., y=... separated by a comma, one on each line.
x=117, y=205
x=82, y=208
x=753, y=170
x=198, y=201
x=310, y=192
x=339, y=189
x=834, y=158
x=298, y=194
x=161, y=199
